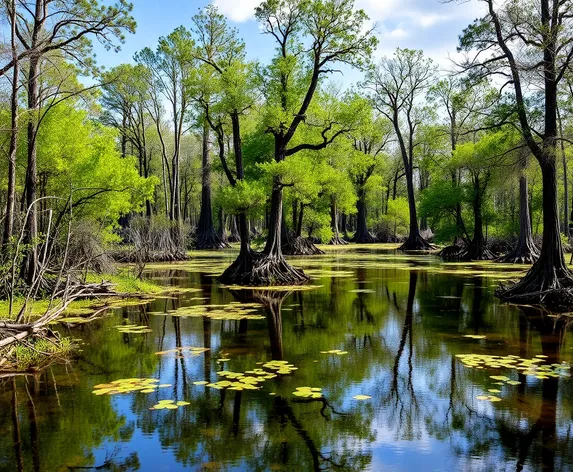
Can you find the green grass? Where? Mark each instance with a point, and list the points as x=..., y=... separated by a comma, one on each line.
x=38, y=353
x=124, y=283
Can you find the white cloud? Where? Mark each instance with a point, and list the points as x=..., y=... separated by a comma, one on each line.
x=237, y=10
x=398, y=33
x=429, y=20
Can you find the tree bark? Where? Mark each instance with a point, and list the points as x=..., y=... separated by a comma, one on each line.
x=11, y=191
x=206, y=237
x=414, y=241
x=336, y=238
x=477, y=250
x=526, y=252
x=362, y=235
x=30, y=264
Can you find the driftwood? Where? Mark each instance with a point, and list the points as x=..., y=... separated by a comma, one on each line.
x=15, y=331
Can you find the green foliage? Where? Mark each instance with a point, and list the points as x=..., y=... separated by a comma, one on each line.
x=81, y=164
x=38, y=353
x=398, y=216
x=244, y=197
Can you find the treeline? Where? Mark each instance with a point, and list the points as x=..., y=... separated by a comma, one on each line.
x=193, y=146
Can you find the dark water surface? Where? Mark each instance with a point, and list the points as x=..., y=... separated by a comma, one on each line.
x=401, y=319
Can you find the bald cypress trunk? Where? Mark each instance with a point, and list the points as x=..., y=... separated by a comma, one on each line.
x=362, y=234
x=336, y=238
x=526, y=252
x=11, y=191
x=206, y=237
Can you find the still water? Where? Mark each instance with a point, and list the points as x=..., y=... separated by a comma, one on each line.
x=395, y=324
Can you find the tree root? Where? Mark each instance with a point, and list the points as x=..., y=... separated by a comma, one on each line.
x=416, y=243
x=549, y=288
x=300, y=246
x=209, y=240
x=149, y=256
x=366, y=238
x=452, y=253
x=337, y=240
x=522, y=254
x=259, y=269
x=476, y=254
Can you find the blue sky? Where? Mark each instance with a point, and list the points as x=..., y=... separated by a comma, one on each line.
x=430, y=25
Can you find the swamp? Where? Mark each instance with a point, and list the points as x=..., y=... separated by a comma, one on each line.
x=286, y=235
x=384, y=361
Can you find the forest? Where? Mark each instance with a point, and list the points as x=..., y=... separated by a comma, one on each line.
x=321, y=258
x=193, y=146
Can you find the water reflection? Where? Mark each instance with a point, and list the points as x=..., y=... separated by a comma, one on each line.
x=401, y=329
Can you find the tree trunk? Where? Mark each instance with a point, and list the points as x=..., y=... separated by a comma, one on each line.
x=565, y=180
x=414, y=241
x=30, y=264
x=206, y=237
x=477, y=250
x=547, y=281
x=526, y=252
x=336, y=238
x=297, y=245
x=222, y=231
x=241, y=270
x=11, y=191
x=362, y=235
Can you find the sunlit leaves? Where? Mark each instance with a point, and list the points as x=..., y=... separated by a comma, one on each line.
x=311, y=393
x=134, y=329
x=250, y=379
x=195, y=351
x=231, y=311
x=126, y=386
x=169, y=405
x=533, y=367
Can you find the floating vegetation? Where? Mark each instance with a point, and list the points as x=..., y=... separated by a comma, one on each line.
x=362, y=290
x=474, y=336
x=362, y=397
x=169, y=405
x=274, y=288
x=533, y=367
x=318, y=273
x=134, y=329
x=230, y=311
x=126, y=386
x=250, y=379
x=200, y=382
x=338, y=352
x=195, y=351
x=313, y=393
x=74, y=320
x=489, y=398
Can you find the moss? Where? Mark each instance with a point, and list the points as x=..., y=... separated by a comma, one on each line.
x=126, y=283
x=35, y=354
x=37, y=308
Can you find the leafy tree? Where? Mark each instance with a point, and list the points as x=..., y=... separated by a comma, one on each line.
x=497, y=41
x=336, y=34
x=396, y=85
x=170, y=67
x=219, y=48
x=369, y=141
x=63, y=27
